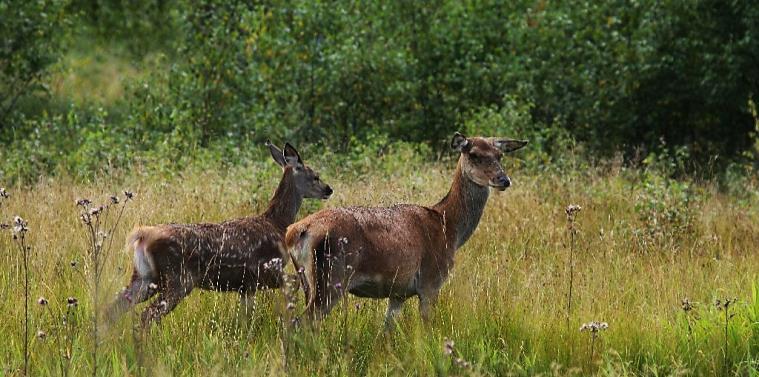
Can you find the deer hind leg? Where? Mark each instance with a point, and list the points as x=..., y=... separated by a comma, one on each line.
x=140, y=288
x=427, y=301
x=171, y=292
x=330, y=281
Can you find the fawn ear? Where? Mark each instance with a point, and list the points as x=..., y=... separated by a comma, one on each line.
x=276, y=154
x=291, y=156
x=508, y=145
x=460, y=143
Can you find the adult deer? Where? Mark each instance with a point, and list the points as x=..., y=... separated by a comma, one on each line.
x=171, y=260
x=401, y=251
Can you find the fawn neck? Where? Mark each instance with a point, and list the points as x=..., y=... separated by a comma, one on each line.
x=284, y=205
x=462, y=208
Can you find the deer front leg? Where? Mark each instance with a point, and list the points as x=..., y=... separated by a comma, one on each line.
x=247, y=302
x=393, y=308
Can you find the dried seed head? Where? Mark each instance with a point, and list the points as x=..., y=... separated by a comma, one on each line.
x=128, y=195
x=95, y=211
x=290, y=306
x=83, y=202
x=274, y=265
x=686, y=305
x=572, y=211
x=72, y=302
x=461, y=363
x=73, y=264
x=114, y=199
x=3, y=193
x=594, y=326
x=41, y=335
x=86, y=219
x=152, y=286
x=42, y=301
x=448, y=349
x=19, y=225
x=725, y=303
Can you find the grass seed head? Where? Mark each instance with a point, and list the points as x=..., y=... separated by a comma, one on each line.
x=4, y=194
x=72, y=302
x=42, y=301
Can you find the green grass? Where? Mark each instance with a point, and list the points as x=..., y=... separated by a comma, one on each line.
x=504, y=306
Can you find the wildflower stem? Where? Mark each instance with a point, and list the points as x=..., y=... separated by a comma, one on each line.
x=727, y=319
x=571, y=272
x=22, y=245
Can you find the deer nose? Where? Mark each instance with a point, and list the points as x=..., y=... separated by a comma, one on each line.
x=328, y=190
x=504, y=181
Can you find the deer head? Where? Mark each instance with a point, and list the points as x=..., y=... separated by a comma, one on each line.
x=481, y=159
x=307, y=181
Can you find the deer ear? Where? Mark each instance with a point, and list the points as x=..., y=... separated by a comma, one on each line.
x=460, y=143
x=291, y=156
x=276, y=154
x=508, y=145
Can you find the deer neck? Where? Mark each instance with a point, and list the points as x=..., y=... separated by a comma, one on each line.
x=284, y=205
x=462, y=208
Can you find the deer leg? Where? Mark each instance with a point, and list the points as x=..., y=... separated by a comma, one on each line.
x=169, y=296
x=140, y=288
x=248, y=302
x=427, y=302
x=393, y=308
x=329, y=284
x=327, y=295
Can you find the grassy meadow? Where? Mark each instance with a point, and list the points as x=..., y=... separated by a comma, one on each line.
x=642, y=246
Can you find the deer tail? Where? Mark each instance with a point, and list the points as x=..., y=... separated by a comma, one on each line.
x=143, y=259
x=300, y=245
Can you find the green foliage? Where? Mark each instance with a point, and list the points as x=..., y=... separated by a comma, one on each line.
x=666, y=207
x=31, y=41
x=578, y=79
x=549, y=146
x=141, y=26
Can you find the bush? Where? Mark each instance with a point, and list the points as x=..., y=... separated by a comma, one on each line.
x=31, y=42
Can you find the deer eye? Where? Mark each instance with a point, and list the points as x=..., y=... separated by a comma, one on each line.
x=475, y=158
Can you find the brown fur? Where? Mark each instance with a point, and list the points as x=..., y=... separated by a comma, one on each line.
x=400, y=251
x=171, y=260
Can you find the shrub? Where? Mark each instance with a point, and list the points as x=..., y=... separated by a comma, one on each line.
x=31, y=42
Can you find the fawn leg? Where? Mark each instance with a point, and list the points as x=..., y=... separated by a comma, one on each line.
x=138, y=290
x=169, y=296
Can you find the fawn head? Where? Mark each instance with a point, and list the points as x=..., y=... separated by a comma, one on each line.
x=481, y=158
x=307, y=181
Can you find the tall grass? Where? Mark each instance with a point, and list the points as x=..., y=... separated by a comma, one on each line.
x=504, y=305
